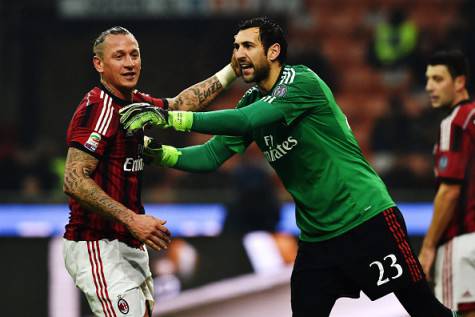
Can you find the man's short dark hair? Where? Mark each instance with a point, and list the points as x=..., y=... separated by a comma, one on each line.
x=269, y=33
x=455, y=61
x=96, y=48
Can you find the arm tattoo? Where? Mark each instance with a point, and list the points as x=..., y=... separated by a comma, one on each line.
x=79, y=185
x=196, y=97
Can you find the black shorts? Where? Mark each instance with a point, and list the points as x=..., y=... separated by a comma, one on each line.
x=374, y=257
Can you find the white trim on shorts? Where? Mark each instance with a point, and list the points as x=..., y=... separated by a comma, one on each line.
x=115, y=277
x=454, y=271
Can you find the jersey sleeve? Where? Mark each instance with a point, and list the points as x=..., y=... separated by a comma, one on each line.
x=157, y=102
x=454, y=153
x=237, y=144
x=304, y=93
x=93, y=126
x=205, y=157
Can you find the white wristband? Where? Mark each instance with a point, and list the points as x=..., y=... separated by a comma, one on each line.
x=226, y=75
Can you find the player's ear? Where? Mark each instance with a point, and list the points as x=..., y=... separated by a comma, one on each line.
x=460, y=83
x=98, y=65
x=273, y=52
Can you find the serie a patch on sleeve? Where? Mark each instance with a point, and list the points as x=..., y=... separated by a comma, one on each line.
x=443, y=162
x=93, y=141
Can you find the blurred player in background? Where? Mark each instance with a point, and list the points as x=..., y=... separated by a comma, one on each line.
x=450, y=240
x=353, y=237
x=104, y=240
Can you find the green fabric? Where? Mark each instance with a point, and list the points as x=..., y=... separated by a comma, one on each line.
x=180, y=120
x=204, y=158
x=308, y=141
x=237, y=121
x=162, y=155
x=170, y=156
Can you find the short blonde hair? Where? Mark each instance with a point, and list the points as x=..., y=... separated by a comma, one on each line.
x=97, y=47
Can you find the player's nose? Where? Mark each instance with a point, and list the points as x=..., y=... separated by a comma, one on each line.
x=429, y=86
x=239, y=53
x=129, y=61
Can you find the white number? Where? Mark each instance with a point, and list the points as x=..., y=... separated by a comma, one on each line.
x=395, y=265
x=380, y=266
x=381, y=273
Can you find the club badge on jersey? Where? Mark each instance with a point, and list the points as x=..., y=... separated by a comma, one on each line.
x=93, y=141
x=123, y=306
x=280, y=91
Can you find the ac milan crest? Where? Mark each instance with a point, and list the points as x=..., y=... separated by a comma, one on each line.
x=123, y=306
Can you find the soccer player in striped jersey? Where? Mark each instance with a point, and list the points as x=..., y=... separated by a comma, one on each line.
x=353, y=236
x=450, y=240
x=104, y=240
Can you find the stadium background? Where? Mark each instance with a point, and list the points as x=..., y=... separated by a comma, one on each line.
x=371, y=52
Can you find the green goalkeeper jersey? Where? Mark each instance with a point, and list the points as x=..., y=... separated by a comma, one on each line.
x=315, y=154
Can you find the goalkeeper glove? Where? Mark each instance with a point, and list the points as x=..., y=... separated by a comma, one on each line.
x=158, y=154
x=138, y=115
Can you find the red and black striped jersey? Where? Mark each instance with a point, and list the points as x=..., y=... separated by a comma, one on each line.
x=95, y=129
x=455, y=163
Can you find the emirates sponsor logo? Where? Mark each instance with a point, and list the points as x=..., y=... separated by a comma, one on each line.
x=133, y=165
x=280, y=150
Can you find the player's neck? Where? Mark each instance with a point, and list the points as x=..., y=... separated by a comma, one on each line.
x=460, y=97
x=274, y=73
x=127, y=95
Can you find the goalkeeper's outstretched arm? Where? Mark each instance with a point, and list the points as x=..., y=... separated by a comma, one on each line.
x=235, y=122
x=206, y=157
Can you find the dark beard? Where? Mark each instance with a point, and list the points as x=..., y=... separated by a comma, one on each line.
x=259, y=74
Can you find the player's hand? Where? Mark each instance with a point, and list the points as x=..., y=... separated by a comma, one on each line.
x=152, y=152
x=156, y=153
x=151, y=231
x=136, y=116
x=426, y=258
x=235, y=65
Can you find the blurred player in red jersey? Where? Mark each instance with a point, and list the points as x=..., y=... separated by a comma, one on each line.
x=104, y=239
x=450, y=240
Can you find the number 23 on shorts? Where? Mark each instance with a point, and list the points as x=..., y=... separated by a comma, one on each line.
x=385, y=273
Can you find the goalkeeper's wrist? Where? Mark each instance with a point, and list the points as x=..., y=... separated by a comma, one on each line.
x=170, y=156
x=180, y=120
x=226, y=75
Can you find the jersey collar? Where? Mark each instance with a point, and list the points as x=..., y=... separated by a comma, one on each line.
x=462, y=103
x=117, y=100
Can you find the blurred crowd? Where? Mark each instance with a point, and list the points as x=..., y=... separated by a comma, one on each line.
x=373, y=56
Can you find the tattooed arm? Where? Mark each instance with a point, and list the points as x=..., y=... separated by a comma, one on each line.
x=198, y=96
x=80, y=186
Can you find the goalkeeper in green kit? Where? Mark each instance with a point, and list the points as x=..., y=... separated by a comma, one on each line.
x=353, y=236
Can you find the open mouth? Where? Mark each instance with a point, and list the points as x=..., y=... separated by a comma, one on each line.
x=129, y=75
x=246, y=68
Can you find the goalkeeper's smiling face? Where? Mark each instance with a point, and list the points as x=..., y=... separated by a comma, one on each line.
x=119, y=64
